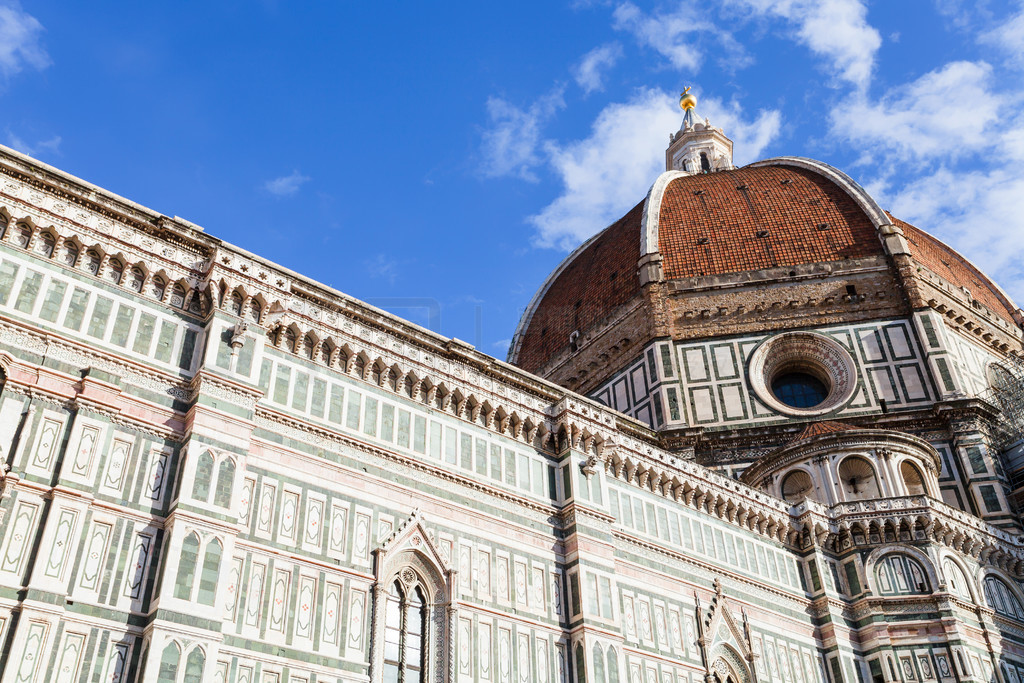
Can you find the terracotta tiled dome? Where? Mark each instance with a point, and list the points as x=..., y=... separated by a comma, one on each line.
x=775, y=214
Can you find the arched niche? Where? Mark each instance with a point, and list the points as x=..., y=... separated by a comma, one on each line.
x=858, y=479
x=796, y=485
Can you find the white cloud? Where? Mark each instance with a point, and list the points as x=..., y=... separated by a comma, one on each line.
x=286, y=186
x=607, y=173
x=919, y=119
x=35, y=149
x=834, y=29
x=1009, y=37
x=510, y=145
x=20, y=41
x=589, y=73
x=668, y=34
x=383, y=266
x=978, y=213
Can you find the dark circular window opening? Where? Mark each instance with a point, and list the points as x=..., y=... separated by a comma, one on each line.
x=799, y=390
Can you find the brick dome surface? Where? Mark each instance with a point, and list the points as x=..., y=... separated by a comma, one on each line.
x=954, y=268
x=759, y=217
x=768, y=215
x=597, y=278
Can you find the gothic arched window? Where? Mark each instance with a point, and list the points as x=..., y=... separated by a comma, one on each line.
x=404, y=625
x=1000, y=598
x=705, y=165
x=157, y=286
x=45, y=244
x=136, y=277
x=956, y=580
x=235, y=303
x=114, y=270
x=92, y=262
x=899, y=574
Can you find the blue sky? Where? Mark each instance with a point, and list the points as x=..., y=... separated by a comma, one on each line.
x=439, y=159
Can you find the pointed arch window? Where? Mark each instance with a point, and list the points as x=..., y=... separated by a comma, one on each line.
x=114, y=271
x=157, y=286
x=255, y=311
x=188, y=558
x=70, y=253
x=23, y=235
x=45, y=244
x=194, y=666
x=92, y=262
x=235, y=303
x=168, y=664
x=404, y=625
x=136, y=277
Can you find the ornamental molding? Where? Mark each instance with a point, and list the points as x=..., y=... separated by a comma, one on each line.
x=836, y=445
x=701, y=569
x=818, y=354
x=395, y=463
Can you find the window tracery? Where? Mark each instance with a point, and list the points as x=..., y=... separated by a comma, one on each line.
x=899, y=574
x=404, y=627
x=1000, y=598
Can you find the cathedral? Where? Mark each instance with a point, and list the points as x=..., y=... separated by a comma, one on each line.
x=757, y=430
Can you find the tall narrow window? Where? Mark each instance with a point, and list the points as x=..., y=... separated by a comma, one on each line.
x=404, y=616
x=187, y=567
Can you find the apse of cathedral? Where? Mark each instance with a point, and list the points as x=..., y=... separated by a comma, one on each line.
x=757, y=430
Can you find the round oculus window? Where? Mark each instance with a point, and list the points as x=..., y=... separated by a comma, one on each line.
x=799, y=389
x=802, y=373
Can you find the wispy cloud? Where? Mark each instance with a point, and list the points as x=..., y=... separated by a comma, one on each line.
x=1009, y=37
x=915, y=121
x=590, y=71
x=837, y=30
x=666, y=33
x=20, y=41
x=605, y=174
x=40, y=148
x=384, y=267
x=286, y=186
x=510, y=144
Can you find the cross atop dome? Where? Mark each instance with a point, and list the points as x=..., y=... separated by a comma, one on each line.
x=697, y=147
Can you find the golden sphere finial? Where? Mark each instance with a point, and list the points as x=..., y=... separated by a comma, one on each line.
x=687, y=101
